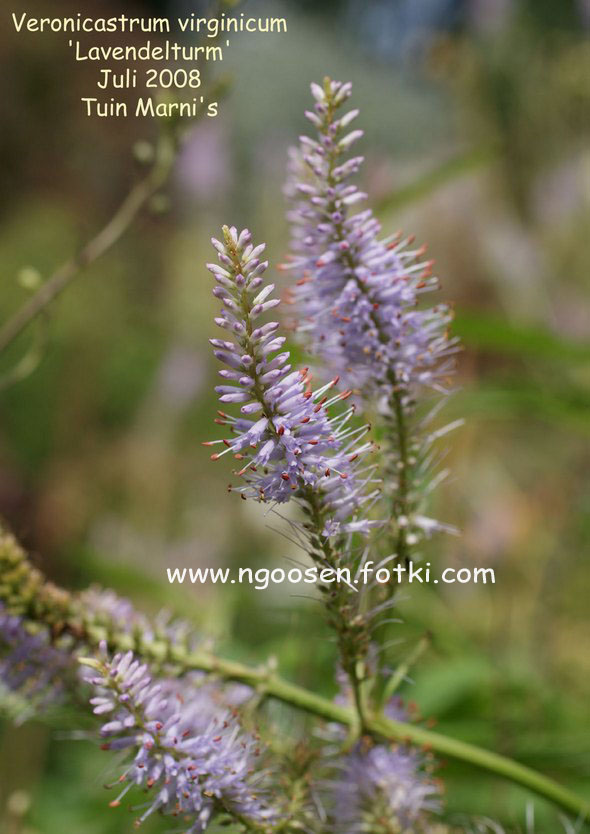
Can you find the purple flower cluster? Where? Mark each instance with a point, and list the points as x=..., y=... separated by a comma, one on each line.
x=29, y=665
x=357, y=293
x=188, y=751
x=382, y=790
x=285, y=439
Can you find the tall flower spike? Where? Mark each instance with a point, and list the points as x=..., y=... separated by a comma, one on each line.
x=357, y=296
x=286, y=440
x=188, y=752
x=358, y=293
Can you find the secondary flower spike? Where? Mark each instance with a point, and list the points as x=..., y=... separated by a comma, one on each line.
x=285, y=439
x=187, y=751
x=357, y=293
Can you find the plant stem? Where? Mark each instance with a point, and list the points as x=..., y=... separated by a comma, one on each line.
x=265, y=679
x=297, y=696
x=24, y=591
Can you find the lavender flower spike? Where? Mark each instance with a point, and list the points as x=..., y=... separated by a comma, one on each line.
x=186, y=750
x=287, y=442
x=358, y=297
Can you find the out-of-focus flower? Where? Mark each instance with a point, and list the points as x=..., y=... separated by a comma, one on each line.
x=29, y=665
x=358, y=301
x=358, y=293
x=383, y=790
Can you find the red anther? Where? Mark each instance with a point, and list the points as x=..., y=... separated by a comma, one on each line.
x=226, y=443
x=411, y=239
x=217, y=738
x=219, y=422
x=301, y=282
x=336, y=380
x=159, y=726
x=307, y=394
x=281, y=431
x=352, y=457
x=105, y=746
x=317, y=408
x=150, y=782
x=420, y=285
x=242, y=496
x=207, y=442
x=239, y=456
x=221, y=413
x=327, y=473
x=345, y=319
x=345, y=394
x=186, y=734
x=114, y=804
x=319, y=262
x=215, y=456
x=421, y=251
x=306, y=419
x=285, y=477
x=313, y=442
x=253, y=468
x=376, y=305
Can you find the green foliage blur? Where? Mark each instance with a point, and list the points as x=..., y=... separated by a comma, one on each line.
x=476, y=136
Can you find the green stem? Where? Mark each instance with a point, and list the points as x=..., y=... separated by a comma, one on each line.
x=264, y=679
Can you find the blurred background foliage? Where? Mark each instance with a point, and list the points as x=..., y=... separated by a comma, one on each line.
x=476, y=117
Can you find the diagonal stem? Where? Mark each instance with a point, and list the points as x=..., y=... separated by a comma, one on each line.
x=64, y=275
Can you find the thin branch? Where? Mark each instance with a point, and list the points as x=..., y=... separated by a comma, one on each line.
x=63, y=276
